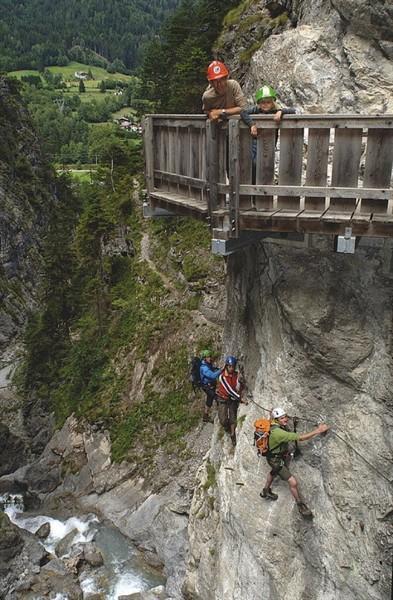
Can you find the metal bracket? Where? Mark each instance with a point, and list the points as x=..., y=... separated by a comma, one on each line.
x=346, y=243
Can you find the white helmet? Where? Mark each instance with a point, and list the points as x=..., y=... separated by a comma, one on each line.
x=278, y=412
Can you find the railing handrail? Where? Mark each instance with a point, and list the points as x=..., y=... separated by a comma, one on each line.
x=217, y=169
x=307, y=116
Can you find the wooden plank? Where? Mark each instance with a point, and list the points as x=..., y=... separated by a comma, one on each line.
x=212, y=164
x=346, y=159
x=234, y=177
x=223, y=159
x=179, y=200
x=245, y=166
x=382, y=218
x=266, y=148
x=284, y=213
x=178, y=122
x=361, y=218
x=324, y=121
x=291, y=121
x=378, y=169
x=317, y=163
x=194, y=170
x=148, y=136
x=182, y=179
x=336, y=216
x=312, y=215
x=264, y=213
x=304, y=190
x=164, y=157
x=290, y=168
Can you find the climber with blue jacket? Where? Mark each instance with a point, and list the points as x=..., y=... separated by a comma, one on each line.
x=209, y=375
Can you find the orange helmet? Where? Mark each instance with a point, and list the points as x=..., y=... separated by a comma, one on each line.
x=216, y=70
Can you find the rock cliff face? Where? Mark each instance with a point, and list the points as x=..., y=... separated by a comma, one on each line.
x=25, y=202
x=322, y=57
x=315, y=329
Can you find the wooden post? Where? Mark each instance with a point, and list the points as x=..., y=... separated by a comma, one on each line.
x=234, y=176
x=212, y=164
x=148, y=137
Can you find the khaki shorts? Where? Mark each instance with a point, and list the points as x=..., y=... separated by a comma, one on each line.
x=279, y=467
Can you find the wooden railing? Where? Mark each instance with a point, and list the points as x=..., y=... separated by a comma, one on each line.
x=311, y=173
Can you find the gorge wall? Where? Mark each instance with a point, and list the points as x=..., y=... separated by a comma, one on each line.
x=315, y=332
x=26, y=199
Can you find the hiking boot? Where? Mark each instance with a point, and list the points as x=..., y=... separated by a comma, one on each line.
x=304, y=510
x=207, y=419
x=233, y=439
x=268, y=494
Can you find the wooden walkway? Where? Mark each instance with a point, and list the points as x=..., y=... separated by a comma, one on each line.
x=310, y=174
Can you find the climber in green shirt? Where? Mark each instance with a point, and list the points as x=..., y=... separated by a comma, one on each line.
x=278, y=457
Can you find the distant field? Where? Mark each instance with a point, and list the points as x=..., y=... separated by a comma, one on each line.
x=80, y=175
x=68, y=73
x=91, y=86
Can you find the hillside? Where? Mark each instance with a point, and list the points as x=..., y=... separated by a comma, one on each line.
x=40, y=33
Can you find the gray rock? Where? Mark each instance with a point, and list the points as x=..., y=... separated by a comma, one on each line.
x=43, y=531
x=12, y=451
x=42, y=479
x=92, y=555
x=55, y=566
x=11, y=541
x=64, y=546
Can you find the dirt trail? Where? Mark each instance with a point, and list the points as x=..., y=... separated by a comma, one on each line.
x=145, y=255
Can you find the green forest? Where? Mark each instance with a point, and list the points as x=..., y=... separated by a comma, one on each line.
x=101, y=311
x=174, y=64
x=40, y=33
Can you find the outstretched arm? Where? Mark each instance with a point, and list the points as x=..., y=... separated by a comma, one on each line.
x=322, y=428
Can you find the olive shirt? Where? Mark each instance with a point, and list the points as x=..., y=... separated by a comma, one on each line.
x=279, y=438
x=233, y=96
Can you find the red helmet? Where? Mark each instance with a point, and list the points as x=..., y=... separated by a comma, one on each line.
x=216, y=70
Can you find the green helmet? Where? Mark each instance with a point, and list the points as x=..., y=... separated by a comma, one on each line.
x=266, y=92
x=206, y=353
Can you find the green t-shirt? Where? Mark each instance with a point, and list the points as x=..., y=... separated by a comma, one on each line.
x=279, y=438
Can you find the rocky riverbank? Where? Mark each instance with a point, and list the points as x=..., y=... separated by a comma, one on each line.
x=75, y=474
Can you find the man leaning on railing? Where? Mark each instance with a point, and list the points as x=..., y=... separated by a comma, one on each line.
x=223, y=97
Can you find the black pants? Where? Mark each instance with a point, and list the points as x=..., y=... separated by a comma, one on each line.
x=210, y=392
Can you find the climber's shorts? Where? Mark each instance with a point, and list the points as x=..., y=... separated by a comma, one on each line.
x=280, y=468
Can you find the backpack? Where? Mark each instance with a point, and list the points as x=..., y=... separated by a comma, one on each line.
x=261, y=436
x=195, y=373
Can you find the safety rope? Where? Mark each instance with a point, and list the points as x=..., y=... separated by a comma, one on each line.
x=338, y=436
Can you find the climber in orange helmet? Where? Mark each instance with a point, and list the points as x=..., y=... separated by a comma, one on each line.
x=223, y=97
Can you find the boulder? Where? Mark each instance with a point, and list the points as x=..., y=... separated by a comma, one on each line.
x=64, y=546
x=12, y=451
x=11, y=541
x=43, y=531
x=92, y=555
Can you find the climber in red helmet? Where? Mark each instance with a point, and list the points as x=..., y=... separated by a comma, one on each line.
x=223, y=97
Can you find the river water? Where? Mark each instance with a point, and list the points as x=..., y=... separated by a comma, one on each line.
x=124, y=571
